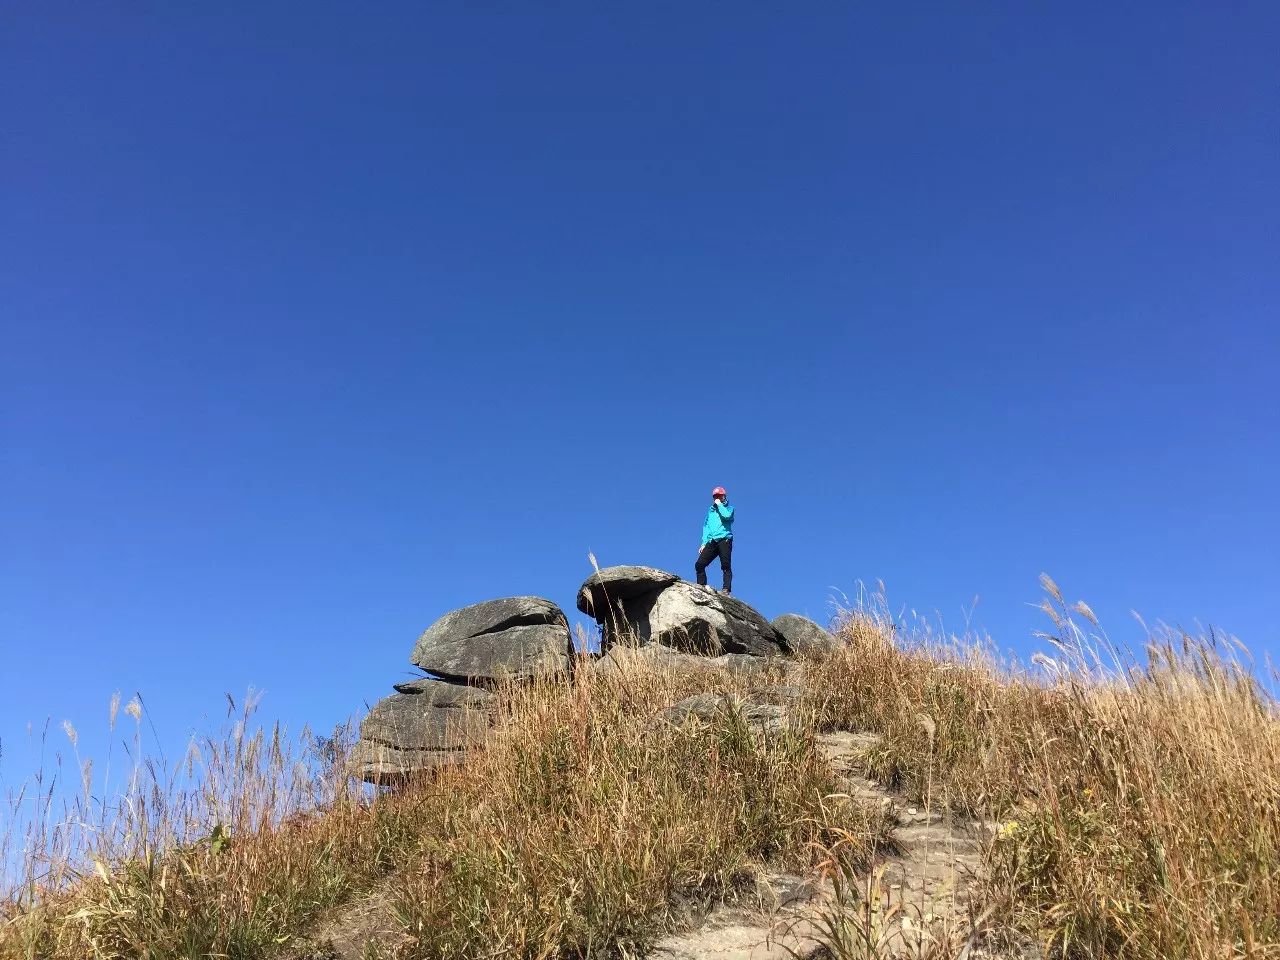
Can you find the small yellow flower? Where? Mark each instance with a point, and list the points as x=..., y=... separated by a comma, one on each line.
x=1008, y=829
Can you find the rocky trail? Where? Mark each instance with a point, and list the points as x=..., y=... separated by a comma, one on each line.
x=913, y=903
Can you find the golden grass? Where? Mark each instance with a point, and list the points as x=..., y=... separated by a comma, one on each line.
x=592, y=820
x=1139, y=800
x=587, y=823
x=1137, y=808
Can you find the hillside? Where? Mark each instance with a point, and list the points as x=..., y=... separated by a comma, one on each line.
x=880, y=792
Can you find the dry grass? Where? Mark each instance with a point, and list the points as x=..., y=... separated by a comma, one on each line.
x=592, y=820
x=1138, y=809
x=1139, y=798
x=224, y=851
x=586, y=824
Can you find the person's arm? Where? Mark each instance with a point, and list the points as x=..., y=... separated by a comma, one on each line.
x=724, y=509
x=706, y=533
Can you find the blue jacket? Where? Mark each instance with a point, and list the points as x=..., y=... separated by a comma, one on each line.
x=719, y=523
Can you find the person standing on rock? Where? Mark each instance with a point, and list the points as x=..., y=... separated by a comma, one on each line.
x=717, y=539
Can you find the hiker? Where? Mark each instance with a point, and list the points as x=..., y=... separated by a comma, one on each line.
x=717, y=539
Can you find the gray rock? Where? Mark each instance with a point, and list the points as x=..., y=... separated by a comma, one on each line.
x=447, y=692
x=743, y=663
x=429, y=724
x=390, y=766
x=491, y=616
x=613, y=584
x=620, y=598
x=516, y=638
x=803, y=635
x=749, y=631
x=446, y=716
x=655, y=606
x=656, y=656
x=699, y=620
x=689, y=618
x=706, y=707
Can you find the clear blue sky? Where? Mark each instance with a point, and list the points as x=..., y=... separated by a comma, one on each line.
x=319, y=321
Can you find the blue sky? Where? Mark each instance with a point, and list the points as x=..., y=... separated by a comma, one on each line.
x=317, y=325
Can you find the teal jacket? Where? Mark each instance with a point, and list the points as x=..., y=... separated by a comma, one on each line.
x=719, y=523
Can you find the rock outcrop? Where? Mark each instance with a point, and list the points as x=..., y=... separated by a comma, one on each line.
x=646, y=616
x=428, y=724
x=620, y=598
x=516, y=638
x=803, y=635
x=432, y=722
x=656, y=656
x=652, y=606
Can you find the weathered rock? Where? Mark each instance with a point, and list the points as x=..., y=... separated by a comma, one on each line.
x=749, y=631
x=429, y=685
x=743, y=663
x=618, y=584
x=655, y=656
x=622, y=658
x=706, y=707
x=656, y=606
x=515, y=637
x=803, y=635
x=491, y=616
x=620, y=598
x=699, y=620
x=389, y=766
x=429, y=724
x=445, y=716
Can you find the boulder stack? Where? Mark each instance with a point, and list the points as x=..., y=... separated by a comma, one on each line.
x=644, y=606
x=647, y=616
x=432, y=721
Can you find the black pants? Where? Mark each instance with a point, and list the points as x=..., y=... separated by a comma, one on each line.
x=723, y=548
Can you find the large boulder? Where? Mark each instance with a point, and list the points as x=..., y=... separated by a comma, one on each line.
x=514, y=638
x=620, y=598
x=619, y=584
x=654, y=606
x=656, y=657
x=429, y=724
x=803, y=635
x=432, y=722
x=698, y=620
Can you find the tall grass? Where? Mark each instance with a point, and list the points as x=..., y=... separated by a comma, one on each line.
x=1139, y=796
x=1134, y=801
x=225, y=846
x=591, y=820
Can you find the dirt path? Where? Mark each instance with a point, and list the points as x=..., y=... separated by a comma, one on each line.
x=914, y=903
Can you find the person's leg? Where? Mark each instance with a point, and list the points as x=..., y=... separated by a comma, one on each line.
x=726, y=563
x=705, y=556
